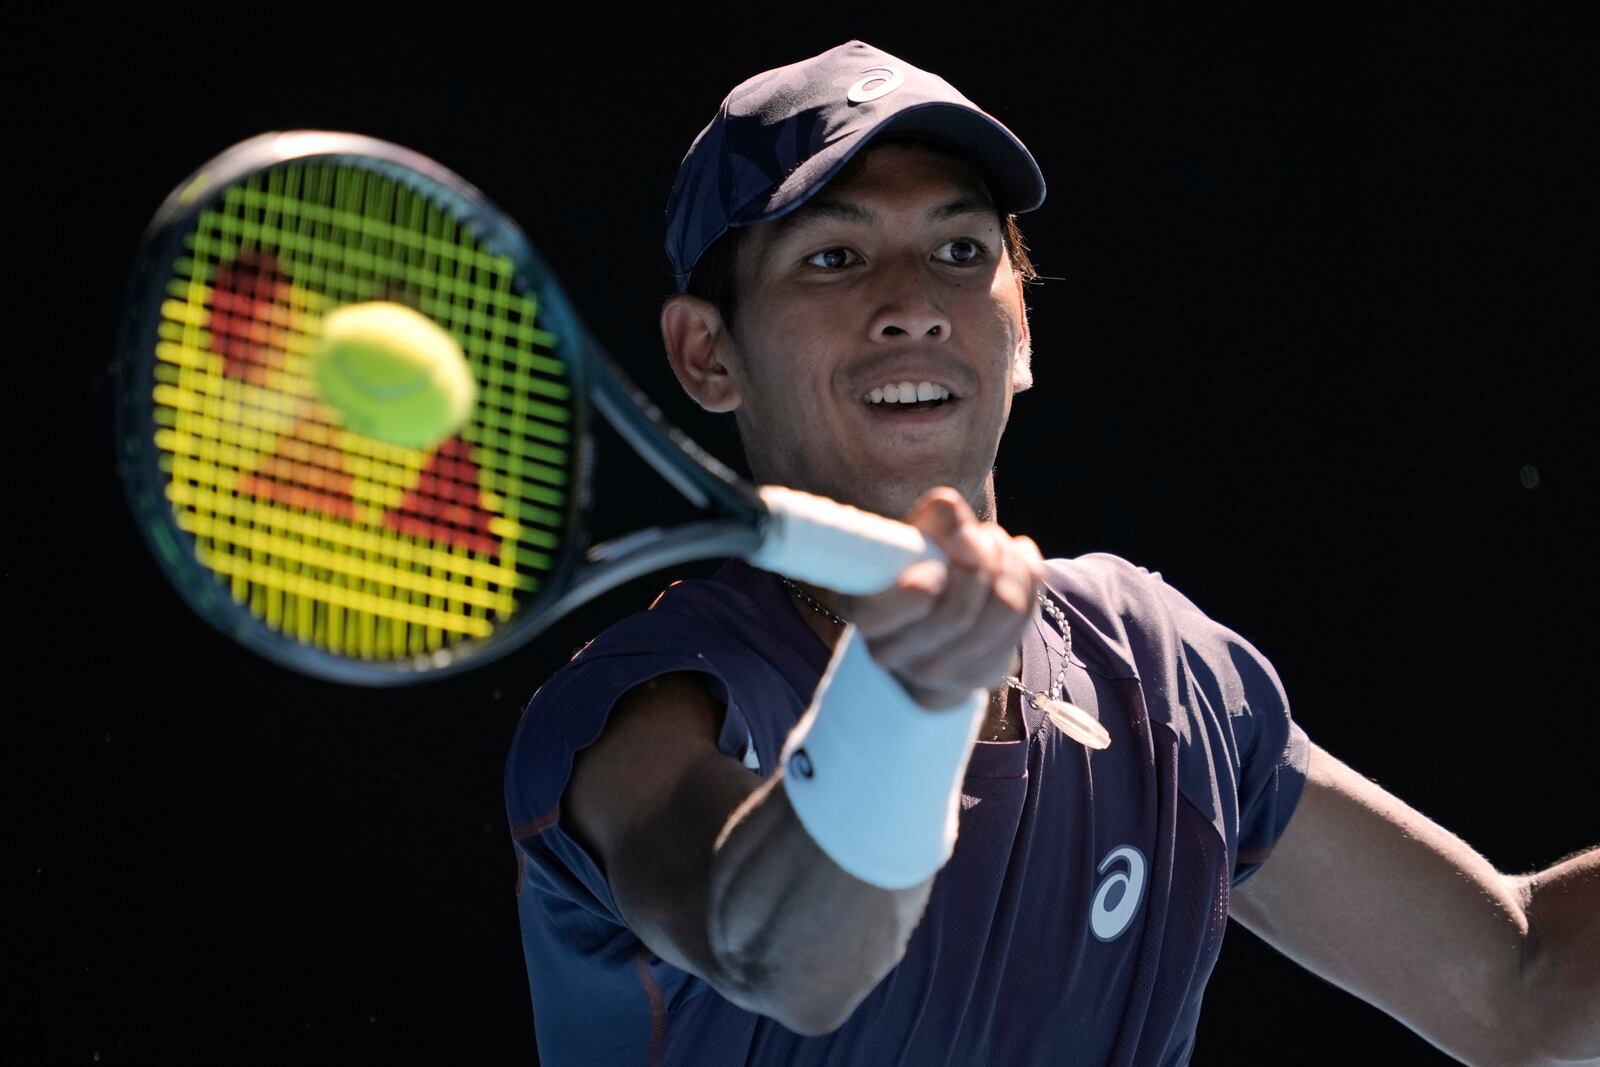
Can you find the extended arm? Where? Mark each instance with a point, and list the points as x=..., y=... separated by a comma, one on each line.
x=711, y=868
x=1561, y=958
x=785, y=911
x=1379, y=900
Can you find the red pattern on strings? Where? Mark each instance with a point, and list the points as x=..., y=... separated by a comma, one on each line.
x=445, y=504
x=243, y=302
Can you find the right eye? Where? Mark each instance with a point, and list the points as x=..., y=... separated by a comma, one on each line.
x=831, y=258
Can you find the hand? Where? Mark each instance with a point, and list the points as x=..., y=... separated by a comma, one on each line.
x=945, y=629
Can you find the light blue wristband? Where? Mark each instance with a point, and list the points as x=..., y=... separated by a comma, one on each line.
x=874, y=777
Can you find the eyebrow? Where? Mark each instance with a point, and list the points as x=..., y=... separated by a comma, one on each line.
x=824, y=209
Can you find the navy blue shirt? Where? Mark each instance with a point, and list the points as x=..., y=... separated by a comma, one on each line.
x=1082, y=911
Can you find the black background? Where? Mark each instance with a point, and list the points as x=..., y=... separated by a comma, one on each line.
x=1323, y=290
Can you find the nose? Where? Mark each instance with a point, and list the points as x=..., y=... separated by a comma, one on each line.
x=909, y=307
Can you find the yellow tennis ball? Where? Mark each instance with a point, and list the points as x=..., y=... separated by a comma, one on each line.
x=393, y=374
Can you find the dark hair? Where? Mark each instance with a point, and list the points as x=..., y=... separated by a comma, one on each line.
x=716, y=276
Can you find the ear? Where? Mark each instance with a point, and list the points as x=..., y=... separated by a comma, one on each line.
x=700, y=351
x=1022, y=359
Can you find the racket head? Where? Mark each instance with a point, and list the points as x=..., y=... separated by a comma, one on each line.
x=333, y=554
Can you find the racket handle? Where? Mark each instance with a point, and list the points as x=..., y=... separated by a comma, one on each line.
x=814, y=539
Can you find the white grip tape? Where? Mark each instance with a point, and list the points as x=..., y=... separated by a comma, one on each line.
x=817, y=540
x=874, y=777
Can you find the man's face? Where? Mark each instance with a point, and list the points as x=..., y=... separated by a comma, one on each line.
x=893, y=273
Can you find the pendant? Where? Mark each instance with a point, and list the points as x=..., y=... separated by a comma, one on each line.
x=1072, y=720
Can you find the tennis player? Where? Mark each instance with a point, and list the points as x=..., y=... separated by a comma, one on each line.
x=765, y=823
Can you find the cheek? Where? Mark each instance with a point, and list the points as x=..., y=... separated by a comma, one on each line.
x=1006, y=313
x=788, y=361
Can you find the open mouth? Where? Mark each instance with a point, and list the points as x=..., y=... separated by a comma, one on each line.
x=916, y=405
x=906, y=398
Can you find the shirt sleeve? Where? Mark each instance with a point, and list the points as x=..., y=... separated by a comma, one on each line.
x=1270, y=751
x=569, y=712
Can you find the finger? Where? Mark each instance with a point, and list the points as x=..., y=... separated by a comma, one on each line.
x=1030, y=550
x=1022, y=579
x=975, y=605
x=1003, y=612
x=945, y=518
x=982, y=656
x=949, y=619
x=910, y=598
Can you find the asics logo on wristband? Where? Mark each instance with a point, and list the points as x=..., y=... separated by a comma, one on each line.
x=800, y=763
x=1118, y=897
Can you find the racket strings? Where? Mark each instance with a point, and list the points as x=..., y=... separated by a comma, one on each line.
x=359, y=547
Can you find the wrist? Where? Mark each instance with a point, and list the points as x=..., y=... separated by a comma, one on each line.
x=933, y=698
x=873, y=776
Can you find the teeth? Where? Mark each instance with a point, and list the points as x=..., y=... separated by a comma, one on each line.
x=907, y=393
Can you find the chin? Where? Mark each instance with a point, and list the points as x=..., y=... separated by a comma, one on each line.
x=883, y=491
x=896, y=500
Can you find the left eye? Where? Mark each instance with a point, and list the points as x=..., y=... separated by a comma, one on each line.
x=961, y=251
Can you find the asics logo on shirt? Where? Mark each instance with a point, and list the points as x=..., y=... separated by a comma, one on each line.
x=1118, y=897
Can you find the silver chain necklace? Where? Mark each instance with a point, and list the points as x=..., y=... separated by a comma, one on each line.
x=1071, y=719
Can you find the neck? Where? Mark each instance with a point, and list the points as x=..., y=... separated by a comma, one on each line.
x=809, y=598
x=1003, y=720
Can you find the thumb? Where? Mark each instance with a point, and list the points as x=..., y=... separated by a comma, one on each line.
x=945, y=518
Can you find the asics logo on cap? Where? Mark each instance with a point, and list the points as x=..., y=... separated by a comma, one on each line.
x=879, y=81
x=1109, y=917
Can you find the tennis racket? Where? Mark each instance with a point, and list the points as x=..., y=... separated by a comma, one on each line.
x=348, y=558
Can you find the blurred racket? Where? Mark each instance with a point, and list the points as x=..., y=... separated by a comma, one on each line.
x=346, y=557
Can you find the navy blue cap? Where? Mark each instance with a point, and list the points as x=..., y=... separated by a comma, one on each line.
x=780, y=136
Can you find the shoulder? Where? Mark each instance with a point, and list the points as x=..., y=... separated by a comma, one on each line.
x=1221, y=697
x=1133, y=604
x=715, y=627
x=1114, y=605
x=700, y=623
x=1115, y=585
x=1136, y=619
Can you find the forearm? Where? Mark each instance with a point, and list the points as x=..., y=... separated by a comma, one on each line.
x=802, y=938
x=1561, y=960
x=1381, y=901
